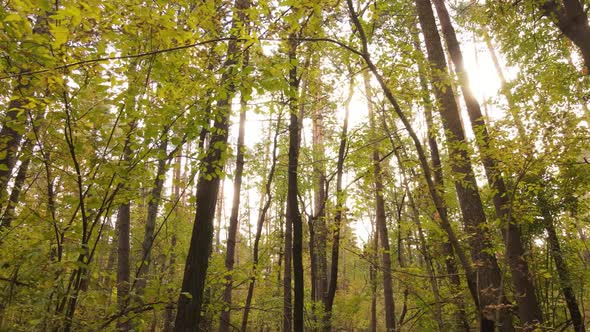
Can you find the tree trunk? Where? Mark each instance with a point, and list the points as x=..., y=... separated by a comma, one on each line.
x=340, y=210
x=152, y=214
x=11, y=133
x=528, y=306
x=293, y=213
x=219, y=217
x=123, y=246
x=373, y=279
x=423, y=246
x=259, y=225
x=381, y=219
x=224, y=322
x=505, y=89
x=565, y=279
x=317, y=224
x=188, y=316
x=178, y=200
x=287, y=277
x=19, y=181
x=572, y=20
x=448, y=251
x=488, y=271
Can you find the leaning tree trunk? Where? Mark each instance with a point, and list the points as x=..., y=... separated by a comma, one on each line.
x=15, y=120
x=434, y=194
x=428, y=261
x=188, y=316
x=448, y=252
x=505, y=89
x=488, y=272
x=528, y=307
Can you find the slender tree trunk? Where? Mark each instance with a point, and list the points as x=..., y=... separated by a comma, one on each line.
x=381, y=219
x=180, y=204
x=111, y=260
x=373, y=279
x=565, y=279
x=259, y=226
x=123, y=245
x=152, y=214
x=423, y=246
x=224, y=322
x=488, y=271
x=188, y=315
x=528, y=306
x=293, y=213
x=506, y=90
x=317, y=224
x=219, y=217
x=340, y=211
x=287, y=277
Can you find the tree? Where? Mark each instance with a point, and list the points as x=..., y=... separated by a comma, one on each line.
x=191, y=298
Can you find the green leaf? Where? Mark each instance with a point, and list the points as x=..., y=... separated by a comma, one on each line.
x=60, y=34
x=13, y=18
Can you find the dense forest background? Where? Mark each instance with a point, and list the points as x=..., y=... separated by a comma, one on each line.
x=261, y=165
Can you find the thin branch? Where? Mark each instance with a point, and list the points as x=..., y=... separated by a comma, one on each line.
x=171, y=49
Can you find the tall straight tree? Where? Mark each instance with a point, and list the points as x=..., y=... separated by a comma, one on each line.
x=340, y=213
x=224, y=322
x=124, y=213
x=293, y=213
x=191, y=298
x=488, y=272
x=261, y=218
x=152, y=214
x=317, y=224
x=380, y=217
x=528, y=307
